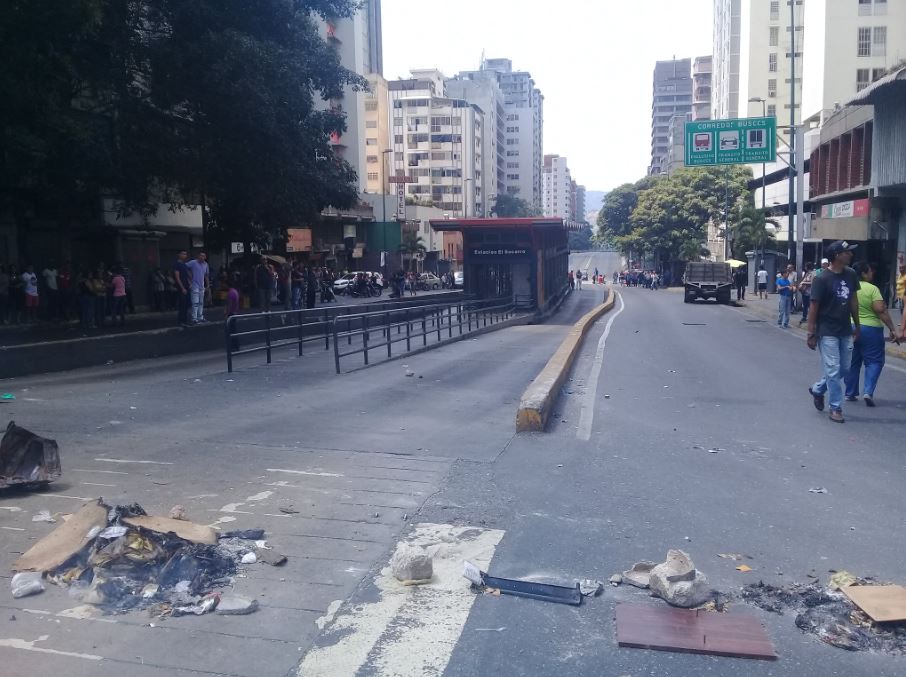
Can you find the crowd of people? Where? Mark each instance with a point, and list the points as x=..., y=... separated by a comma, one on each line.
x=647, y=279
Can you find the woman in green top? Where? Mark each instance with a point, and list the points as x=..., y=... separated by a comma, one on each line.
x=869, y=349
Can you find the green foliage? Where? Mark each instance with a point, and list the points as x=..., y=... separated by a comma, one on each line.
x=221, y=103
x=411, y=246
x=581, y=240
x=749, y=232
x=510, y=206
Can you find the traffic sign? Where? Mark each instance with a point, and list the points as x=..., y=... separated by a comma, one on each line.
x=402, y=179
x=731, y=142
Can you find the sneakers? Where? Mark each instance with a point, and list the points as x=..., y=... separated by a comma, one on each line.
x=852, y=398
x=869, y=400
x=836, y=416
x=818, y=399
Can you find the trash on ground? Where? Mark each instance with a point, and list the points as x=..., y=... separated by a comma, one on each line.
x=177, y=512
x=272, y=557
x=882, y=603
x=234, y=605
x=616, y=579
x=678, y=582
x=43, y=516
x=545, y=592
x=830, y=616
x=288, y=510
x=734, y=556
x=590, y=588
x=26, y=458
x=744, y=568
x=7, y=397
x=27, y=583
x=841, y=579
x=249, y=558
x=119, y=558
x=644, y=626
x=247, y=534
x=639, y=575
x=818, y=490
x=412, y=565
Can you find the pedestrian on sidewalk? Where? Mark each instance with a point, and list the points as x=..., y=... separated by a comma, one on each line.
x=572, y=280
x=200, y=281
x=181, y=278
x=118, y=283
x=785, y=297
x=263, y=284
x=805, y=290
x=30, y=287
x=901, y=288
x=311, y=287
x=51, y=290
x=833, y=303
x=99, y=292
x=579, y=280
x=869, y=349
x=762, y=278
x=824, y=264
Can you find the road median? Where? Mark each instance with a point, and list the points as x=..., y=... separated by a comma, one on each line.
x=539, y=398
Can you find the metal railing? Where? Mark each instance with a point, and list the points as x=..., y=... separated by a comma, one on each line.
x=420, y=325
x=272, y=330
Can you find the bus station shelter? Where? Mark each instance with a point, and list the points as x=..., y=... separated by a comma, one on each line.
x=525, y=258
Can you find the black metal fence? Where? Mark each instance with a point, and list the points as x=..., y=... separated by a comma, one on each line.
x=269, y=331
x=363, y=333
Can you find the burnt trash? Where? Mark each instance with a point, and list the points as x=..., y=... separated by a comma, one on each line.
x=247, y=534
x=27, y=458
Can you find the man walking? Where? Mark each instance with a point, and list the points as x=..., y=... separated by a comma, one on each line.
x=762, y=278
x=181, y=277
x=740, y=279
x=785, y=296
x=199, y=284
x=805, y=290
x=833, y=306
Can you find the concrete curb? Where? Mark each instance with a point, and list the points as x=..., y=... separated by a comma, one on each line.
x=539, y=398
x=892, y=349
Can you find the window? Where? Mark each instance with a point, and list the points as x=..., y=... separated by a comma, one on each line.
x=880, y=7
x=879, y=45
x=772, y=88
x=861, y=79
x=372, y=159
x=397, y=138
x=512, y=153
x=864, y=7
x=370, y=142
x=773, y=36
x=371, y=124
x=772, y=63
x=864, y=46
x=371, y=105
x=775, y=10
x=512, y=165
x=877, y=73
x=772, y=110
x=372, y=176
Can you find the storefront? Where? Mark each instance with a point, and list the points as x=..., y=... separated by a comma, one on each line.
x=525, y=258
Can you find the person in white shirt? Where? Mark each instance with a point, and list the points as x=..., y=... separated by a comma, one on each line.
x=762, y=277
x=51, y=285
x=30, y=282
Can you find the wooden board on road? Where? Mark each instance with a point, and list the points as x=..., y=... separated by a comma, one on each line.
x=882, y=603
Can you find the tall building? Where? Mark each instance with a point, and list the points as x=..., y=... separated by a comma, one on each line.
x=676, y=143
x=849, y=45
x=377, y=135
x=358, y=42
x=579, y=214
x=482, y=88
x=701, y=87
x=437, y=141
x=523, y=130
x=725, y=55
x=559, y=198
x=672, y=95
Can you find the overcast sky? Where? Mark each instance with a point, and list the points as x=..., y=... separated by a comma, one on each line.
x=592, y=60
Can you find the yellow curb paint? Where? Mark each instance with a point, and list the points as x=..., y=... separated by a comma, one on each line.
x=538, y=399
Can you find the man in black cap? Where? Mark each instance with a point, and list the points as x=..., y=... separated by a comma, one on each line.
x=833, y=325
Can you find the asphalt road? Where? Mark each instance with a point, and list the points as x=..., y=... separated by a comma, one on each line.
x=373, y=457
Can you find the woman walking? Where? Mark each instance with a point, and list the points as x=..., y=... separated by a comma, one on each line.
x=869, y=348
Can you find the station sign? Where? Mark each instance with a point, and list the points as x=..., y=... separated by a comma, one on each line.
x=731, y=142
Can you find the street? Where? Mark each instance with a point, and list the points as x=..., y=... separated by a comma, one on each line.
x=683, y=426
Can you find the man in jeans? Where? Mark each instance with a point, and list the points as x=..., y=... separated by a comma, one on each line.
x=200, y=281
x=833, y=325
x=181, y=278
x=785, y=297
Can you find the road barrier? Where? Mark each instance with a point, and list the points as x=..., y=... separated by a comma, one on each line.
x=415, y=325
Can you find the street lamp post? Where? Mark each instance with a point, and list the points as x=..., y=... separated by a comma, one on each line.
x=465, y=201
x=764, y=114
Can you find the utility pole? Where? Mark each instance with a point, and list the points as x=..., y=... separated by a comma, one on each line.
x=794, y=146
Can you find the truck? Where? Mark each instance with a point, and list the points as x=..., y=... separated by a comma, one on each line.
x=707, y=280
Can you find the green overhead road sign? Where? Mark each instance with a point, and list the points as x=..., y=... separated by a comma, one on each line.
x=731, y=142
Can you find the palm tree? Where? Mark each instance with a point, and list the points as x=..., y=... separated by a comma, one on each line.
x=411, y=246
x=749, y=231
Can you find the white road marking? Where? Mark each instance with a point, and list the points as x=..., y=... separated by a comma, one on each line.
x=11, y=508
x=261, y=496
x=305, y=472
x=25, y=645
x=106, y=472
x=221, y=520
x=433, y=615
x=126, y=460
x=96, y=484
x=234, y=507
x=13, y=528
x=587, y=417
x=75, y=498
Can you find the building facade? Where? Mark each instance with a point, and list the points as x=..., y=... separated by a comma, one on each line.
x=523, y=131
x=558, y=185
x=702, y=69
x=671, y=96
x=482, y=88
x=579, y=212
x=725, y=55
x=437, y=144
x=377, y=135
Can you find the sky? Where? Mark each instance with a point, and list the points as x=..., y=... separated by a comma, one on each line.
x=592, y=60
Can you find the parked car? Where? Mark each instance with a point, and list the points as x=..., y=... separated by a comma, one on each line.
x=458, y=279
x=430, y=281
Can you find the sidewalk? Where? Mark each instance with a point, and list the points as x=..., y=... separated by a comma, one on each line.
x=768, y=310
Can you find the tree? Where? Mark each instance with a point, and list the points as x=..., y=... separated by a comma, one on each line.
x=580, y=240
x=613, y=219
x=510, y=206
x=411, y=246
x=223, y=104
x=749, y=231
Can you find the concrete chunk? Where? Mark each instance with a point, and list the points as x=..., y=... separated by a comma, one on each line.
x=678, y=583
x=411, y=564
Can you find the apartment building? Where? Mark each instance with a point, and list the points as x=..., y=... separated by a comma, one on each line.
x=558, y=186
x=377, y=135
x=437, y=142
x=702, y=69
x=482, y=88
x=523, y=130
x=579, y=211
x=671, y=96
x=725, y=59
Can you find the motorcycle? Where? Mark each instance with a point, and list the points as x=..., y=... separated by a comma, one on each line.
x=327, y=294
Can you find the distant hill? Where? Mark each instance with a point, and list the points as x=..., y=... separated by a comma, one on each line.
x=594, y=200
